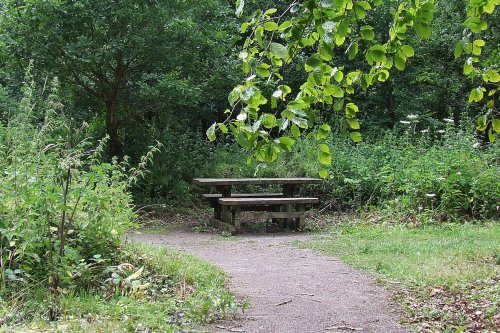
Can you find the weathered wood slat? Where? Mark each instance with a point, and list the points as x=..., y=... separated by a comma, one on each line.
x=254, y=181
x=265, y=201
x=274, y=215
x=215, y=196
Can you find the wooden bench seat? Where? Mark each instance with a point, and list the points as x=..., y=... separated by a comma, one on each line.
x=265, y=201
x=215, y=196
x=291, y=210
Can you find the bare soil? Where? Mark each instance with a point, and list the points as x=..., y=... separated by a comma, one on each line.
x=290, y=290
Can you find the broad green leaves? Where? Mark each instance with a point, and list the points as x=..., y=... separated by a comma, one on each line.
x=472, y=47
x=279, y=51
x=313, y=33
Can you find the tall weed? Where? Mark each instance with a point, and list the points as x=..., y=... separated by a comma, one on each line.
x=63, y=212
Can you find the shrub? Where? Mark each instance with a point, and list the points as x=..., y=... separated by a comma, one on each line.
x=442, y=173
x=63, y=213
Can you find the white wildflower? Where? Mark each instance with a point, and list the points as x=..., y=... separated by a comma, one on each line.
x=430, y=195
x=424, y=131
x=441, y=179
x=476, y=145
x=441, y=131
x=412, y=116
x=404, y=122
x=448, y=120
x=459, y=173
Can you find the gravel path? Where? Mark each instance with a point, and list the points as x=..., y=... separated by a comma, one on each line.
x=290, y=290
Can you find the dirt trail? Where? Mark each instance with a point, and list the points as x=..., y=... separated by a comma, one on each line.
x=290, y=290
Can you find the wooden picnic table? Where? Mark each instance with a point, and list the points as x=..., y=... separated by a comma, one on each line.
x=224, y=185
x=227, y=204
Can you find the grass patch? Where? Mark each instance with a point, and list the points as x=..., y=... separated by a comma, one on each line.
x=449, y=273
x=181, y=293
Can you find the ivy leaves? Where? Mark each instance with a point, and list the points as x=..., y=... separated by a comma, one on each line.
x=313, y=33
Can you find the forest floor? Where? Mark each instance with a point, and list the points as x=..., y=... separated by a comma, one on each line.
x=288, y=289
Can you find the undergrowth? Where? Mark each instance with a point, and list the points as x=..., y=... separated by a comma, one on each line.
x=418, y=176
x=64, y=215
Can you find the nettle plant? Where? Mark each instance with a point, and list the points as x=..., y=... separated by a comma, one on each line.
x=316, y=33
x=61, y=207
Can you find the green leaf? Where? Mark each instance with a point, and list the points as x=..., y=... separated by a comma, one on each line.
x=423, y=29
x=323, y=131
x=324, y=158
x=495, y=123
x=377, y=53
x=353, y=50
x=285, y=25
x=323, y=174
x=400, y=63
x=356, y=137
x=211, y=132
x=383, y=75
x=350, y=110
x=408, y=50
x=491, y=136
x=263, y=71
x=367, y=32
x=279, y=51
x=270, y=11
x=481, y=123
x=333, y=90
x=476, y=95
x=295, y=131
x=325, y=51
x=353, y=123
x=271, y=26
x=476, y=24
x=459, y=49
x=287, y=143
x=313, y=62
x=324, y=147
x=468, y=69
x=223, y=128
x=268, y=120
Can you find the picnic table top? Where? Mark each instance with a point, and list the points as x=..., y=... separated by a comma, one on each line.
x=255, y=181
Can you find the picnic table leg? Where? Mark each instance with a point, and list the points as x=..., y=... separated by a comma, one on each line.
x=218, y=210
x=236, y=219
x=301, y=221
x=288, y=192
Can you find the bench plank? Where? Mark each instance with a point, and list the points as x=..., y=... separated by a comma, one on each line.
x=265, y=201
x=254, y=181
x=213, y=196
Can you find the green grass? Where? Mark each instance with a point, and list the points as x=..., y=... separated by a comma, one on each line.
x=427, y=255
x=446, y=277
x=184, y=293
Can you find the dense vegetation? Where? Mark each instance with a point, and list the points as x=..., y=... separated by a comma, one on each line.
x=104, y=106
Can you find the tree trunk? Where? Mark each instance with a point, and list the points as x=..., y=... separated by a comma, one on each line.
x=112, y=107
x=390, y=102
x=112, y=127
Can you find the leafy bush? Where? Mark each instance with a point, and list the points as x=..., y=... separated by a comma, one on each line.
x=63, y=213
